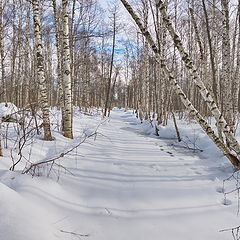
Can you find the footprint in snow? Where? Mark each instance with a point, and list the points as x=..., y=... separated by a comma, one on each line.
x=170, y=153
x=157, y=168
x=220, y=189
x=193, y=168
x=117, y=164
x=226, y=202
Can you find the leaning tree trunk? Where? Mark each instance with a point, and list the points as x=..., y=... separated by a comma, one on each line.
x=221, y=122
x=207, y=128
x=40, y=71
x=67, y=83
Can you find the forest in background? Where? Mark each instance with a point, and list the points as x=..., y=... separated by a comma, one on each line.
x=125, y=109
x=175, y=56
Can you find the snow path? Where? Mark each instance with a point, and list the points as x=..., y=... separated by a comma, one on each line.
x=128, y=186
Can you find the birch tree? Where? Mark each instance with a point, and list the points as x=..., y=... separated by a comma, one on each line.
x=114, y=22
x=236, y=81
x=67, y=83
x=2, y=54
x=221, y=122
x=226, y=66
x=202, y=122
x=212, y=57
x=60, y=97
x=145, y=81
x=40, y=71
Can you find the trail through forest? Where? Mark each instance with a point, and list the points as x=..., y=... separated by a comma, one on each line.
x=124, y=185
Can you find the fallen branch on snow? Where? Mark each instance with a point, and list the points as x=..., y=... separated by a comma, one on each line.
x=235, y=232
x=52, y=160
x=75, y=234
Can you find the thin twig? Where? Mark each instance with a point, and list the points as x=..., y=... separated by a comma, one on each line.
x=52, y=160
x=75, y=234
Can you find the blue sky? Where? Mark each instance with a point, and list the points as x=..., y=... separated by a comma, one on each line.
x=121, y=37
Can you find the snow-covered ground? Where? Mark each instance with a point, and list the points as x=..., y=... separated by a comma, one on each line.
x=123, y=184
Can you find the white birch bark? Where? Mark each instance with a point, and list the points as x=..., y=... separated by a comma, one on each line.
x=205, y=126
x=67, y=83
x=40, y=71
x=60, y=97
x=215, y=84
x=236, y=81
x=226, y=67
x=2, y=53
x=221, y=122
x=145, y=80
x=72, y=52
x=111, y=66
x=199, y=42
x=1, y=148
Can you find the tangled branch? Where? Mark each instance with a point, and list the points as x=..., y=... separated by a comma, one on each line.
x=52, y=160
x=235, y=232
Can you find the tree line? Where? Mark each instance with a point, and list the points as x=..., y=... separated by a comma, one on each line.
x=178, y=56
